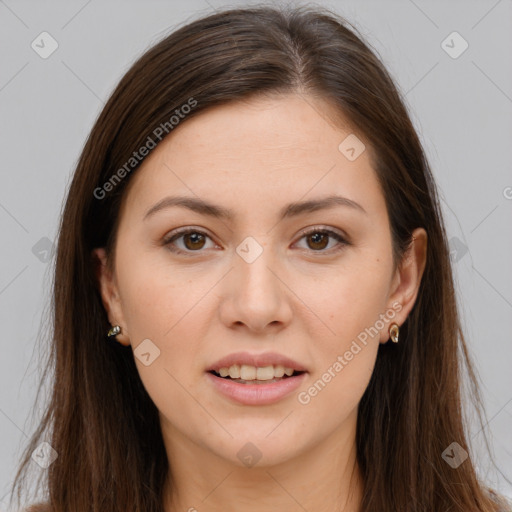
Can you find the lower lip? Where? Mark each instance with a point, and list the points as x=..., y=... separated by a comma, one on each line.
x=256, y=394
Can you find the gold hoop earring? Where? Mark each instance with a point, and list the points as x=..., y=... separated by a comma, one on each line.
x=394, y=332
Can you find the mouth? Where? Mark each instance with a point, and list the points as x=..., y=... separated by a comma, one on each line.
x=256, y=379
x=255, y=375
x=248, y=388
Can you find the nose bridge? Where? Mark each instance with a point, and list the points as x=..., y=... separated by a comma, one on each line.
x=253, y=263
x=257, y=297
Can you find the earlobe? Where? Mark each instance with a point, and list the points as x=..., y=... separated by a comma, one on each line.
x=109, y=293
x=408, y=277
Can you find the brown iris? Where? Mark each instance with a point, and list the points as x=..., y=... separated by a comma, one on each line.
x=318, y=239
x=196, y=240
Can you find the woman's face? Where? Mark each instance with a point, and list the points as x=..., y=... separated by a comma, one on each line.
x=252, y=291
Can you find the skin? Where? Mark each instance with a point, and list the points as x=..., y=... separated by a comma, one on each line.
x=300, y=298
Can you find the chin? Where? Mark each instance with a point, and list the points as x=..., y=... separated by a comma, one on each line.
x=258, y=450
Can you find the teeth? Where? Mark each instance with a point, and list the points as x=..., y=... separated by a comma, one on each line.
x=247, y=372
x=234, y=371
x=265, y=373
x=278, y=370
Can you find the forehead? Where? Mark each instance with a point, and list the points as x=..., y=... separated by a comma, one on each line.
x=264, y=125
x=266, y=149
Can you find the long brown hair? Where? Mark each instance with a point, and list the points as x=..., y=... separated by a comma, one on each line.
x=101, y=421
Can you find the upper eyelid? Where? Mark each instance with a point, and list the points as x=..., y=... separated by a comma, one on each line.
x=316, y=227
x=322, y=228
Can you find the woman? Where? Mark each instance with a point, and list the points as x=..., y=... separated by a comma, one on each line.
x=253, y=300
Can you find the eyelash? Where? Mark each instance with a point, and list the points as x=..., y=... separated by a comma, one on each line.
x=185, y=231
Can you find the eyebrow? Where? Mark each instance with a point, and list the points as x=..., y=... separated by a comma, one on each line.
x=291, y=210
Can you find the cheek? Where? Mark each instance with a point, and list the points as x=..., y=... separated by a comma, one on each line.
x=350, y=298
x=163, y=307
x=155, y=296
x=351, y=303
x=345, y=358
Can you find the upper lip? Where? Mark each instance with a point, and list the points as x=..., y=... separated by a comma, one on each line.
x=259, y=360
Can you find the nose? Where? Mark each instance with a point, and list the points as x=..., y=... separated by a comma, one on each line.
x=256, y=296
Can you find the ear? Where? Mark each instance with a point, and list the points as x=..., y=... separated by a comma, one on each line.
x=109, y=294
x=406, y=280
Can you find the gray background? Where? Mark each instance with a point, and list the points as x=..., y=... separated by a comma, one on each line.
x=462, y=108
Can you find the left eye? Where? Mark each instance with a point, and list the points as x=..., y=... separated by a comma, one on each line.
x=320, y=238
x=194, y=240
